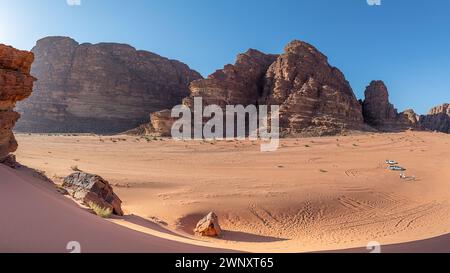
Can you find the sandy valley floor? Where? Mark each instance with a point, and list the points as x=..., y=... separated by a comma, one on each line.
x=313, y=194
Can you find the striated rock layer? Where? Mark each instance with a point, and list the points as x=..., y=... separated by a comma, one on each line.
x=438, y=119
x=241, y=83
x=315, y=98
x=101, y=88
x=15, y=84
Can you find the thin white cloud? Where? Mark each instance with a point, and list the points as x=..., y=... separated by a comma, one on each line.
x=73, y=2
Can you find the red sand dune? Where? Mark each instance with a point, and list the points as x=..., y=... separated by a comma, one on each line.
x=36, y=218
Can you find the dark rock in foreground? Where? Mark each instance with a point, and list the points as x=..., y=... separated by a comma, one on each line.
x=88, y=188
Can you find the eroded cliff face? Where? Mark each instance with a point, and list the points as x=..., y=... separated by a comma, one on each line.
x=314, y=97
x=238, y=84
x=377, y=109
x=438, y=119
x=16, y=84
x=101, y=88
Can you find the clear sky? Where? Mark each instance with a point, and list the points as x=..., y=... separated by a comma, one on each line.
x=406, y=43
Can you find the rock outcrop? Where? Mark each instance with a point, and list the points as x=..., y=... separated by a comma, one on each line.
x=208, y=226
x=379, y=113
x=377, y=110
x=88, y=188
x=101, y=88
x=15, y=84
x=409, y=118
x=162, y=122
x=160, y=125
x=438, y=119
x=314, y=97
x=241, y=83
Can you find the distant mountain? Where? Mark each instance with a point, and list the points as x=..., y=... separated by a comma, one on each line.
x=438, y=119
x=314, y=97
x=101, y=88
x=379, y=113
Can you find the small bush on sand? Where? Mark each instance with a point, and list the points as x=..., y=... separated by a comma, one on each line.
x=102, y=212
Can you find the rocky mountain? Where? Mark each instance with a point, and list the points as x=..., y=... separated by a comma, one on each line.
x=438, y=119
x=99, y=88
x=314, y=97
x=241, y=83
x=379, y=113
x=15, y=84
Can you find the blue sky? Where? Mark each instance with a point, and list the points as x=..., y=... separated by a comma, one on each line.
x=406, y=43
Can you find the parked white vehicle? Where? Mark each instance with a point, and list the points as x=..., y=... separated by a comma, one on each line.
x=391, y=162
x=397, y=168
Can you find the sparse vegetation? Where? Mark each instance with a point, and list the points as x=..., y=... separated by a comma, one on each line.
x=61, y=189
x=102, y=212
x=75, y=168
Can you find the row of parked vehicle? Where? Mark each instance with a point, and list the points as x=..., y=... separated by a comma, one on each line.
x=393, y=166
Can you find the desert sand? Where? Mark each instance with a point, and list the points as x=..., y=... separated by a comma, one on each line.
x=36, y=219
x=313, y=194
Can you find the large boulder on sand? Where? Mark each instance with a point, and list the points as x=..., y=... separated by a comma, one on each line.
x=88, y=188
x=208, y=226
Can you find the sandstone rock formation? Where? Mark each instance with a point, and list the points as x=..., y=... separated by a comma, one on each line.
x=438, y=119
x=241, y=83
x=409, y=118
x=15, y=84
x=377, y=109
x=315, y=98
x=379, y=113
x=162, y=123
x=208, y=226
x=88, y=188
x=101, y=88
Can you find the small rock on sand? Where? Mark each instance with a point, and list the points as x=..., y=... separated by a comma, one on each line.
x=208, y=226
